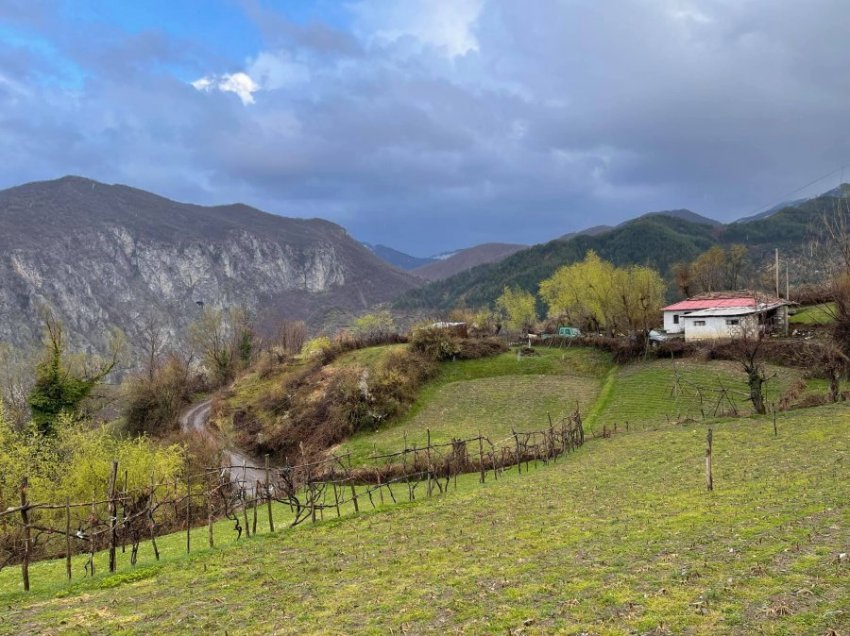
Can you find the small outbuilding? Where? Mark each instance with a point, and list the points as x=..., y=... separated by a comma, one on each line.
x=726, y=316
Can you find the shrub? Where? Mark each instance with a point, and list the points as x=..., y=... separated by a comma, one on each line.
x=154, y=401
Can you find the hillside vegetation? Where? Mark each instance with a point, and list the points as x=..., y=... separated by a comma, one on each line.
x=620, y=537
x=658, y=240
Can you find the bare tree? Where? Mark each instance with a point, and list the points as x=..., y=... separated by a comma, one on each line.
x=748, y=352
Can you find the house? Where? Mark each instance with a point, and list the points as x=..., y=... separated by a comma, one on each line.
x=726, y=315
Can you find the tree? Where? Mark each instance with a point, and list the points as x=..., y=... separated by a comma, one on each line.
x=59, y=389
x=375, y=325
x=225, y=340
x=595, y=292
x=518, y=307
x=714, y=270
x=291, y=336
x=640, y=295
x=748, y=352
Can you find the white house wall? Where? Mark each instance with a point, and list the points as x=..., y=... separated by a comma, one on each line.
x=669, y=325
x=715, y=328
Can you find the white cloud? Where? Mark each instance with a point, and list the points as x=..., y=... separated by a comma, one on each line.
x=444, y=24
x=239, y=83
x=274, y=70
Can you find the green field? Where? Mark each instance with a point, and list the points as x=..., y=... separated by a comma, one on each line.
x=651, y=393
x=822, y=314
x=493, y=396
x=620, y=537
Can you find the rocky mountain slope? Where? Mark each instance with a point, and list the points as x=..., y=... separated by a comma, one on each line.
x=109, y=255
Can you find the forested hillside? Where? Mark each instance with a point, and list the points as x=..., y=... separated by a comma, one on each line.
x=658, y=240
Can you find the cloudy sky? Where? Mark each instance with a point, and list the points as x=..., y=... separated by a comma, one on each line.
x=430, y=125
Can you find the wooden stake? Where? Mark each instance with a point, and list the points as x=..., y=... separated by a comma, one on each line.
x=150, y=519
x=68, y=537
x=428, y=459
x=113, y=515
x=209, y=511
x=242, y=493
x=518, y=462
x=188, y=511
x=481, y=457
x=91, y=539
x=257, y=488
x=25, y=518
x=269, y=496
x=709, y=477
x=353, y=490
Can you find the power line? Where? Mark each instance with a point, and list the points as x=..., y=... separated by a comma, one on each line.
x=784, y=197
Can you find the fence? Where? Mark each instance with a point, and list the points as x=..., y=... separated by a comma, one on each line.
x=124, y=518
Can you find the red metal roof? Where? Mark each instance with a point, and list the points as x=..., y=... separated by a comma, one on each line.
x=696, y=304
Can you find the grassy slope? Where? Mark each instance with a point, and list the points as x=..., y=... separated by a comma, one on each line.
x=492, y=395
x=644, y=394
x=822, y=314
x=620, y=536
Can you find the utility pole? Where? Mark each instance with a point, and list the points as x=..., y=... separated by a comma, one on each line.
x=788, y=299
x=777, y=272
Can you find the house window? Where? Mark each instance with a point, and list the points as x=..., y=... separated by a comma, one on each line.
x=732, y=321
x=699, y=323
x=675, y=319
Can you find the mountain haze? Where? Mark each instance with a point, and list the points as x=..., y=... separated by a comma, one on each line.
x=463, y=260
x=107, y=255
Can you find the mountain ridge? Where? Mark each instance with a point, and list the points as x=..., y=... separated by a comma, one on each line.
x=101, y=255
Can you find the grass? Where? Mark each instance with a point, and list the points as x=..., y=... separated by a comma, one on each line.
x=822, y=314
x=644, y=394
x=620, y=537
x=492, y=395
x=369, y=357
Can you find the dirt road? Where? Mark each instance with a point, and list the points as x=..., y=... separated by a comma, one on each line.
x=249, y=470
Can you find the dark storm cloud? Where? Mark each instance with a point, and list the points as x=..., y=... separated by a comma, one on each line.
x=430, y=126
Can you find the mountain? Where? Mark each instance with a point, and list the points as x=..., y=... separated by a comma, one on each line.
x=462, y=260
x=397, y=258
x=771, y=211
x=596, y=230
x=656, y=239
x=109, y=255
x=686, y=215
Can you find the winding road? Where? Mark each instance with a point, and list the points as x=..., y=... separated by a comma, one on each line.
x=196, y=419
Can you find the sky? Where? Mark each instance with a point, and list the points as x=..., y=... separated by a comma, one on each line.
x=431, y=125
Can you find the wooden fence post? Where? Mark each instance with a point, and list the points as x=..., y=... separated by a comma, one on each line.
x=243, y=489
x=91, y=538
x=353, y=490
x=150, y=518
x=269, y=496
x=124, y=512
x=428, y=459
x=188, y=511
x=68, y=537
x=518, y=462
x=709, y=477
x=257, y=488
x=25, y=518
x=208, y=497
x=113, y=516
x=481, y=457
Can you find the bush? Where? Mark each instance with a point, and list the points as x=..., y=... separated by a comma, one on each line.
x=154, y=402
x=441, y=344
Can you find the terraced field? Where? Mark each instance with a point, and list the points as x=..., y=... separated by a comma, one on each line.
x=620, y=537
x=493, y=396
